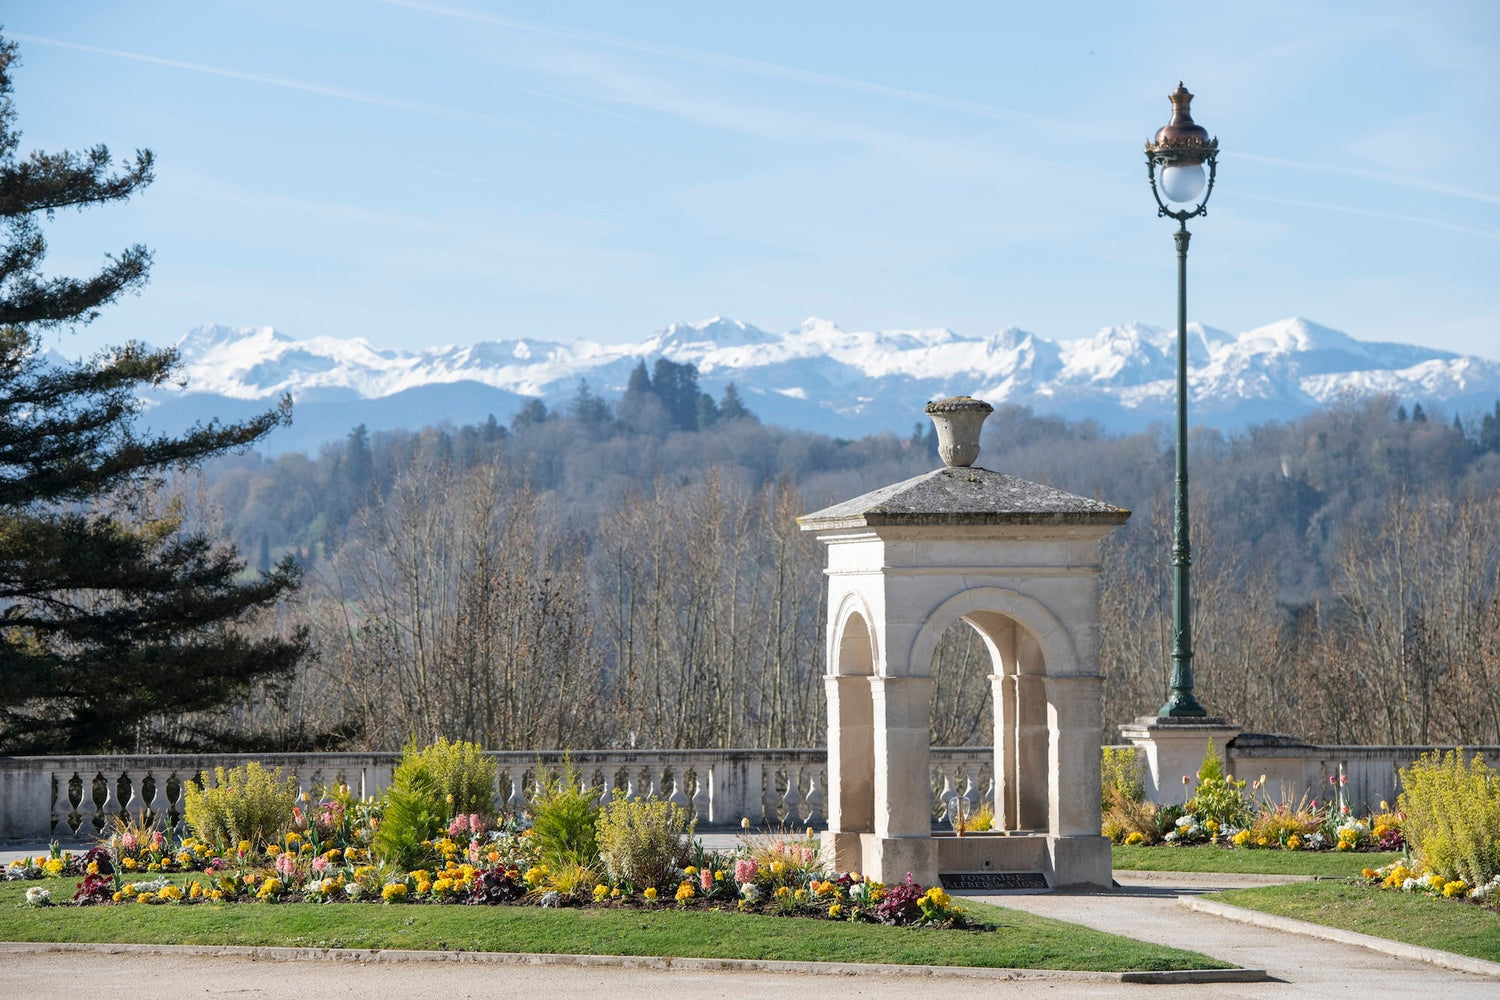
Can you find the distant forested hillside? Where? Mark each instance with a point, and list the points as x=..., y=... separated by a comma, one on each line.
x=630, y=572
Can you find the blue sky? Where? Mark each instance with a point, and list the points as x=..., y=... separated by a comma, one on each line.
x=430, y=173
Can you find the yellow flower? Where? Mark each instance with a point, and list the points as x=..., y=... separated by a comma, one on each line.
x=938, y=896
x=835, y=910
x=778, y=867
x=93, y=868
x=783, y=892
x=1136, y=837
x=270, y=888
x=424, y=887
x=650, y=894
x=244, y=847
x=128, y=864
x=1242, y=838
x=273, y=850
x=690, y=871
x=146, y=897
x=614, y=894
x=395, y=892
x=600, y=891
x=442, y=886
x=685, y=892
x=117, y=896
x=293, y=838
x=1457, y=887
x=196, y=892
x=171, y=893
x=1293, y=842
x=54, y=866
x=216, y=894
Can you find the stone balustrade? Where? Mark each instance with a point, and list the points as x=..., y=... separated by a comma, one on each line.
x=74, y=798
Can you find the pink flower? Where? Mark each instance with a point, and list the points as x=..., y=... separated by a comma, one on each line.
x=807, y=855
x=157, y=839
x=286, y=864
x=319, y=865
x=706, y=879
x=299, y=821
x=128, y=841
x=745, y=870
x=476, y=823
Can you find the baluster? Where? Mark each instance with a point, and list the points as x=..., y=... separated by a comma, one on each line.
x=677, y=798
x=654, y=776
x=85, y=805
x=159, y=807
x=700, y=793
x=944, y=796
x=770, y=801
x=607, y=788
x=791, y=799
x=814, y=801
x=517, y=801
x=110, y=810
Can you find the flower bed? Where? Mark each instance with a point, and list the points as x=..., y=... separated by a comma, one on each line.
x=429, y=842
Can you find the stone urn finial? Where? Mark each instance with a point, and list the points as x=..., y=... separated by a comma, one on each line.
x=958, y=420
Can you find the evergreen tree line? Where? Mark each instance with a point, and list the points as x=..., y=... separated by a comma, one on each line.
x=575, y=581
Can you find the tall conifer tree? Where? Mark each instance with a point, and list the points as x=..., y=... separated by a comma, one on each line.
x=112, y=612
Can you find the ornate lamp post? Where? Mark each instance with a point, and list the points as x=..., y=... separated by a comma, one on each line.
x=1174, y=162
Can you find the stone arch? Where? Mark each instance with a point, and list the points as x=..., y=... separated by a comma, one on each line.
x=976, y=606
x=855, y=650
x=852, y=657
x=1026, y=643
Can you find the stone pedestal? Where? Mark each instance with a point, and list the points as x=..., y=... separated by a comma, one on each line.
x=1173, y=749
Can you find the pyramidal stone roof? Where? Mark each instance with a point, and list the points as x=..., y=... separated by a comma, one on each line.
x=964, y=496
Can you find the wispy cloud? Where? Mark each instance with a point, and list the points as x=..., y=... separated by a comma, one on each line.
x=1395, y=180
x=1370, y=213
x=423, y=108
x=753, y=67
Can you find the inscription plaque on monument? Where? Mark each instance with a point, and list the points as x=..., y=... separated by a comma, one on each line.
x=993, y=881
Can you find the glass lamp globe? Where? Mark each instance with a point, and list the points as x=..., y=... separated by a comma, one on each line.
x=1181, y=184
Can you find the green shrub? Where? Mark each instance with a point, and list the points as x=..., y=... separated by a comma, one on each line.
x=428, y=788
x=246, y=804
x=1219, y=798
x=1122, y=776
x=1453, y=815
x=565, y=816
x=643, y=841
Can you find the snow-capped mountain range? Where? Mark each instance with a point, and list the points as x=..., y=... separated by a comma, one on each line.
x=818, y=376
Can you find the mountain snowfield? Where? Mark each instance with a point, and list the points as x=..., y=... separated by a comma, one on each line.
x=819, y=376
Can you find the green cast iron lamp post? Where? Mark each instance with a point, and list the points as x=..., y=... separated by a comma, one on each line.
x=1174, y=161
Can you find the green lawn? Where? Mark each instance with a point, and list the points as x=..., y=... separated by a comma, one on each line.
x=1207, y=858
x=1014, y=940
x=1447, y=924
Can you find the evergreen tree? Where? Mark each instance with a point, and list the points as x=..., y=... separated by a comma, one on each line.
x=732, y=407
x=119, y=622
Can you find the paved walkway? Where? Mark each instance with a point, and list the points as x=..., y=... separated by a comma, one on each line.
x=1146, y=907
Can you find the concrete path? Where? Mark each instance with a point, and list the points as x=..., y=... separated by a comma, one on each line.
x=1146, y=907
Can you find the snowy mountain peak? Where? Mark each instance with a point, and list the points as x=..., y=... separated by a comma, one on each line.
x=823, y=377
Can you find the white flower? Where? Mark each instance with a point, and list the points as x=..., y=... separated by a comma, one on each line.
x=1171, y=836
x=354, y=890
x=37, y=896
x=750, y=892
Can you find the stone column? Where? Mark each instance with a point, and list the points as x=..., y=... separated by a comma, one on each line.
x=902, y=735
x=1003, y=697
x=851, y=767
x=1079, y=853
x=1073, y=742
